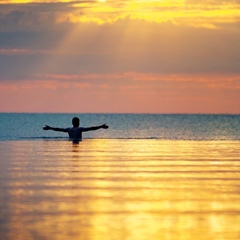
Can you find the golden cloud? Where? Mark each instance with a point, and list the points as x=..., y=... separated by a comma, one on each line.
x=191, y=12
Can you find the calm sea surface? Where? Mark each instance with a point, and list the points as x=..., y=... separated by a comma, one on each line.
x=173, y=177
x=124, y=126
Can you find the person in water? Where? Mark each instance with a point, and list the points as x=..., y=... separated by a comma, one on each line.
x=75, y=132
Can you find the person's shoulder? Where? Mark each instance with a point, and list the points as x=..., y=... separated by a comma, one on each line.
x=76, y=129
x=80, y=129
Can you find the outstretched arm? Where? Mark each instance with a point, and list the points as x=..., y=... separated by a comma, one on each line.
x=54, y=129
x=104, y=126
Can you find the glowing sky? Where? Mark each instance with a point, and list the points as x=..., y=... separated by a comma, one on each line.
x=179, y=56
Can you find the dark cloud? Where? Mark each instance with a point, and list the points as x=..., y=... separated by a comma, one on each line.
x=32, y=40
x=34, y=16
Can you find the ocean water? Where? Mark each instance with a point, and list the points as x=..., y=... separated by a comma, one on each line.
x=26, y=126
x=168, y=177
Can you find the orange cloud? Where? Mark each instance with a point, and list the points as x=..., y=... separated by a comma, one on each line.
x=124, y=92
x=146, y=80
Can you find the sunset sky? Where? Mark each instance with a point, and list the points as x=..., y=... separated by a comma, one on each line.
x=120, y=56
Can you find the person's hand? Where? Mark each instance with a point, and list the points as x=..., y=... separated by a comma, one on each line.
x=46, y=127
x=104, y=126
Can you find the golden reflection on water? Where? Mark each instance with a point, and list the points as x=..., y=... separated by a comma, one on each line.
x=120, y=189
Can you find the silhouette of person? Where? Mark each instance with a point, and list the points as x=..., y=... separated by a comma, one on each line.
x=75, y=132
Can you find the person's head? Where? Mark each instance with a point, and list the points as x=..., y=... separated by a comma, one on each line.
x=76, y=122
